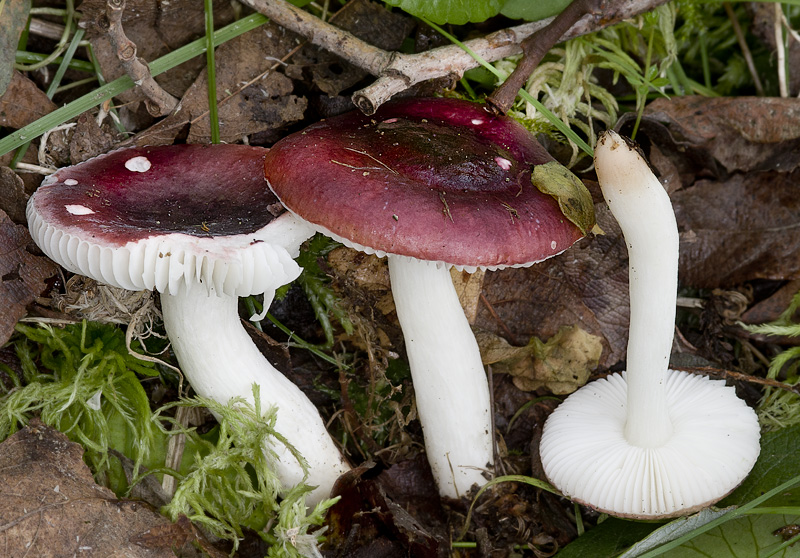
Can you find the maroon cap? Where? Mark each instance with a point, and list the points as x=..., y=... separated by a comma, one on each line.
x=434, y=179
x=155, y=217
x=130, y=194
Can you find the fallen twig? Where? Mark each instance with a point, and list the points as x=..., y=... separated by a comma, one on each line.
x=737, y=376
x=158, y=102
x=397, y=71
x=536, y=45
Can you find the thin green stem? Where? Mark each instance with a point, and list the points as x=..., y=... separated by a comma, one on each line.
x=211, y=72
x=74, y=84
x=784, y=546
x=704, y=59
x=62, y=68
x=62, y=43
x=53, y=87
x=25, y=57
x=733, y=514
x=97, y=97
x=557, y=122
x=297, y=341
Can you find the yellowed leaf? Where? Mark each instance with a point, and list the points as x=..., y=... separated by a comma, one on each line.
x=561, y=365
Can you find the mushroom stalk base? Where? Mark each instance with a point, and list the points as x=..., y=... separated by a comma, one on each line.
x=450, y=385
x=220, y=362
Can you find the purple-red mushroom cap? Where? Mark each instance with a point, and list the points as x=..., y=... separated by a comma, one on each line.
x=156, y=217
x=433, y=179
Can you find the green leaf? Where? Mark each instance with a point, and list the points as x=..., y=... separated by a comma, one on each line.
x=745, y=537
x=573, y=198
x=457, y=12
x=748, y=533
x=673, y=530
x=608, y=539
x=533, y=11
x=777, y=463
x=13, y=19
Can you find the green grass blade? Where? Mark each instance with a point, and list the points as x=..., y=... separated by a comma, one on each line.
x=26, y=57
x=90, y=100
x=556, y=121
x=211, y=72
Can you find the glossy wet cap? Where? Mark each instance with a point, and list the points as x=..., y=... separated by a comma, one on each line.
x=434, y=179
x=156, y=217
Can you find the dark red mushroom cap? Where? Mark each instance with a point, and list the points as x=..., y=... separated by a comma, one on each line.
x=152, y=217
x=434, y=179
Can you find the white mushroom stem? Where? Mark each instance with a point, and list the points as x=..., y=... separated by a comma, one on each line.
x=220, y=362
x=450, y=385
x=651, y=442
x=644, y=212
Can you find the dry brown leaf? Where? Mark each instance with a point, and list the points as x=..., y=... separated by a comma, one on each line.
x=394, y=512
x=88, y=140
x=468, y=287
x=23, y=102
x=244, y=108
x=561, y=365
x=50, y=506
x=13, y=198
x=731, y=167
x=586, y=286
x=747, y=227
x=22, y=274
x=737, y=133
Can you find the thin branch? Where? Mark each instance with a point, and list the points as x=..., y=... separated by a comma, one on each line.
x=397, y=72
x=748, y=57
x=324, y=35
x=158, y=102
x=536, y=46
x=737, y=376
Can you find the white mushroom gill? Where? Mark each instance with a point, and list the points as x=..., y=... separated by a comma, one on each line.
x=650, y=442
x=200, y=280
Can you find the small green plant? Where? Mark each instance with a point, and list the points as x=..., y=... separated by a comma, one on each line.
x=780, y=408
x=232, y=484
x=90, y=391
x=316, y=286
x=81, y=380
x=566, y=83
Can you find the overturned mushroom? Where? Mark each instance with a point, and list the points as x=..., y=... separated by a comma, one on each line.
x=196, y=223
x=650, y=442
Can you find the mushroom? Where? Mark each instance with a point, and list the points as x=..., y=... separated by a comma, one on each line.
x=430, y=183
x=198, y=224
x=650, y=442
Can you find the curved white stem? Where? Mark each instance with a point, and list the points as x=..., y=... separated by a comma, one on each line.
x=643, y=210
x=450, y=385
x=220, y=361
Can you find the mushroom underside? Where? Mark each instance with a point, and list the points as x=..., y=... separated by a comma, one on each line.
x=713, y=446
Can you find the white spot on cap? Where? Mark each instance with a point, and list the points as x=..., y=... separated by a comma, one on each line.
x=504, y=163
x=553, y=244
x=389, y=121
x=70, y=182
x=477, y=121
x=78, y=210
x=138, y=164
